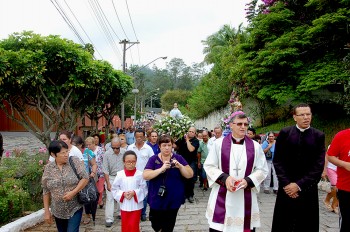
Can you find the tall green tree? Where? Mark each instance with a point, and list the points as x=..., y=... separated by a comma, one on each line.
x=53, y=75
x=295, y=48
x=213, y=91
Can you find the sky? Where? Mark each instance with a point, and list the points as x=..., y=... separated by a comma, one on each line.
x=171, y=28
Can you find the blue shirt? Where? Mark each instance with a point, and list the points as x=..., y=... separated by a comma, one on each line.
x=272, y=149
x=154, y=147
x=86, y=159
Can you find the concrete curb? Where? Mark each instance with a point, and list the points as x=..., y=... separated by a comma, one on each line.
x=24, y=222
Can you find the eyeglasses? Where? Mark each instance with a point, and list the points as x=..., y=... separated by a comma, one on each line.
x=241, y=124
x=304, y=115
x=115, y=148
x=130, y=162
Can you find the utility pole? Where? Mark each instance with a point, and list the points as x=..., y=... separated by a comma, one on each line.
x=124, y=42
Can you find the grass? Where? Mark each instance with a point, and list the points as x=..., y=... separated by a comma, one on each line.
x=329, y=126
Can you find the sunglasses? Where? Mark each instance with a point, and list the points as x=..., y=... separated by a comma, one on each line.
x=241, y=124
x=115, y=148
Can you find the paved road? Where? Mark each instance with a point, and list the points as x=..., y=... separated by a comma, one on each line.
x=191, y=216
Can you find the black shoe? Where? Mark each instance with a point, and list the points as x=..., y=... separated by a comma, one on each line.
x=119, y=217
x=109, y=224
x=205, y=189
x=275, y=191
x=101, y=206
x=190, y=199
x=143, y=218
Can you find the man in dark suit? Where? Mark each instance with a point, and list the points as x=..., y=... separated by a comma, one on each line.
x=299, y=161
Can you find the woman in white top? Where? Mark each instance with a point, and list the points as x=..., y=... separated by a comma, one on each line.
x=66, y=137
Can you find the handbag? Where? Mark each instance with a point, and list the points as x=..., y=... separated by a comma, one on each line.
x=268, y=155
x=89, y=193
x=324, y=185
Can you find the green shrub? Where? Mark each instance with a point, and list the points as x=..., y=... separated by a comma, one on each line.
x=20, y=183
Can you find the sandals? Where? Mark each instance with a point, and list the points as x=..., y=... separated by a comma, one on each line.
x=328, y=206
x=87, y=220
x=336, y=210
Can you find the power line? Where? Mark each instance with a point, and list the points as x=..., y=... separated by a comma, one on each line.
x=83, y=30
x=115, y=10
x=127, y=6
x=98, y=4
x=101, y=22
x=67, y=20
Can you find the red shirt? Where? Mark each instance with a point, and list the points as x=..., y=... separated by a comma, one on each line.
x=340, y=147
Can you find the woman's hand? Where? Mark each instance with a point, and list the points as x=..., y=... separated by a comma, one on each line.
x=177, y=164
x=48, y=217
x=166, y=165
x=68, y=196
x=92, y=175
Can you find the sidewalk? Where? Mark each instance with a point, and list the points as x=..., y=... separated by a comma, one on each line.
x=191, y=217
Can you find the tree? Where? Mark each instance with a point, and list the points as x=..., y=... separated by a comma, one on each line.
x=53, y=75
x=214, y=89
x=171, y=96
x=294, y=49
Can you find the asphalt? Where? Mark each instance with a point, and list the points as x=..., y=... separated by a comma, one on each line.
x=191, y=217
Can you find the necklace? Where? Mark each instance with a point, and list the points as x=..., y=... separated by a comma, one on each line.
x=161, y=157
x=238, y=161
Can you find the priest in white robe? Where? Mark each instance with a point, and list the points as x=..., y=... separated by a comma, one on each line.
x=235, y=167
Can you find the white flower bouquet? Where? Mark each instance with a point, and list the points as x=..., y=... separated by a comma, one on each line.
x=175, y=127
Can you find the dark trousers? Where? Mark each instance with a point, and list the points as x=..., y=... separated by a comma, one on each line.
x=69, y=225
x=189, y=183
x=163, y=220
x=344, y=210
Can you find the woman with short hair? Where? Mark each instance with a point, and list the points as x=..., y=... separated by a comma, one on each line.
x=166, y=172
x=60, y=186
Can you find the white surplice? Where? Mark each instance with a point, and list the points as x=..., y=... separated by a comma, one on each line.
x=123, y=183
x=234, y=217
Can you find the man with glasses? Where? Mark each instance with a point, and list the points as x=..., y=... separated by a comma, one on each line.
x=112, y=163
x=235, y=167
x=299, y=161
x=187, y=147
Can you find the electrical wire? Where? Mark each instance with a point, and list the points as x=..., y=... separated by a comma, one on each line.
x=98, y=14
x=127, y=6
x=115, y=10
x=83, y=30
x=99, y=6
x=67, y=20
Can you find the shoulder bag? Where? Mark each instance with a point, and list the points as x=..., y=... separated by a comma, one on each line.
x=268, y=155
x=89, y=193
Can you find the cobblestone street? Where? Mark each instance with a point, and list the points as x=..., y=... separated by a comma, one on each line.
x=191, y=217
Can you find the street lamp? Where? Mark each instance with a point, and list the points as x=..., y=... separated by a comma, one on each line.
x=124, y=69
x=145, y=98
x=135, y=91
x=154, y=95
x=162, y=57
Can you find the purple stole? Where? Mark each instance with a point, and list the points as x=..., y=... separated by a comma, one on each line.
x=220, y=207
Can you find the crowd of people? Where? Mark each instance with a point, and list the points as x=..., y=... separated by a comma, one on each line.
x=140, y=169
